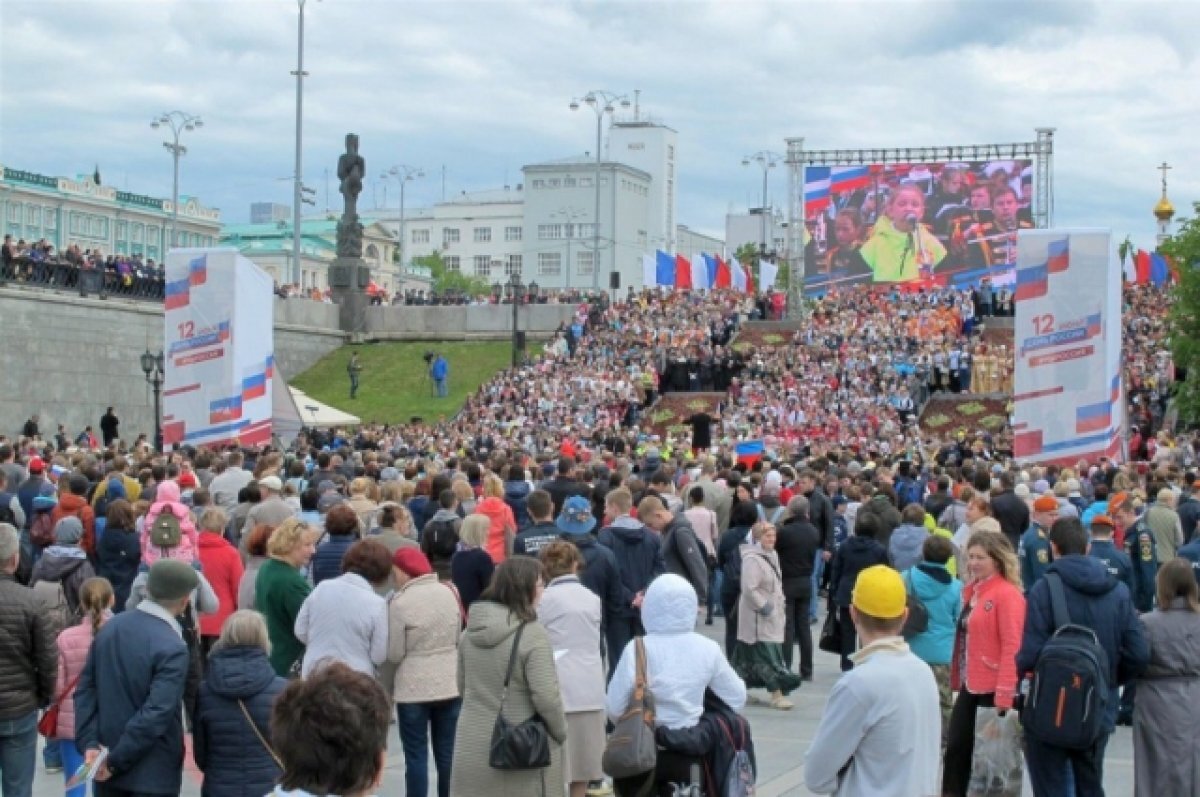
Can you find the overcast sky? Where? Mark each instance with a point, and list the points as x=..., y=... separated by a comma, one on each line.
x=482, y=88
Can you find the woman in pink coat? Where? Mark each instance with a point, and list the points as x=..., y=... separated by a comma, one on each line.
x=502, y=525
x=95, y=601
x=188, y=549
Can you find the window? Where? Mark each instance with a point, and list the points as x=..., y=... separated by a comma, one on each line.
x=584, y=263
x=549, y=232
x=670, y=152
x=452, y=263
x=549, y=264
x=538, y=184
x=554, y=182
x=512, y=233
x=483, y=266
x=581, y=230
x=483, y=235
x=449, y=235
x=568, y=182
x=420, y=236
x=513, y=266
x=585, y=182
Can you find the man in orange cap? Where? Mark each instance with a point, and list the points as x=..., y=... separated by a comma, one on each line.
x=1034, y=550
x=1139, y=547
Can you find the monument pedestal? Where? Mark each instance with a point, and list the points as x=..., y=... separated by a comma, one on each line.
x=348, y=280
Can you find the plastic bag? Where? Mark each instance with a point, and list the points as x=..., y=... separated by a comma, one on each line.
x=996, y=766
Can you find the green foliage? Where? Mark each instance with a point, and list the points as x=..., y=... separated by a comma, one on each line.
x=1184, y=249
x=747, y=255
x=1125, y=249
x=447, y=279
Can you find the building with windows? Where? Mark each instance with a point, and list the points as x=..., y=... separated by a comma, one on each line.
x=480, y=233
x=560, y=214
x=80, y=210
x=650, y=146
x=268, y=212
x=689, y=243
x=749, y=228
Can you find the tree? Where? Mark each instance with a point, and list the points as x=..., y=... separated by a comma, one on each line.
x=1184, y=318
x=1124, y=250
x=747, y=255
x=446, y=279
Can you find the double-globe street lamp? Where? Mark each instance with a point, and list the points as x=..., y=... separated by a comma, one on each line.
x=518, y=294
x=602, y=102
x=767, y=161
x=153, y=368
x=178, y=122
x=403, y=174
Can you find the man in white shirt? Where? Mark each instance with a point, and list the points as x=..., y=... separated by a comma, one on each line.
x=881, y=732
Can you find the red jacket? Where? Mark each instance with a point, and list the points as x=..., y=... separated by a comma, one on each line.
x=71, y=504
x=223, y=568
x=500, y=515
x=993, y=638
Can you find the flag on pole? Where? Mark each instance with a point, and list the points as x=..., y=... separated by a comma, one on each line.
x=767, y=272
x=737, y=274
x=1158, y=269
x=723, y=277
x=664, y=268
x=699, y=273
x=1142, y=263
x=710, y=265
x=750, y=451
x=683, y=273
x=649, y=275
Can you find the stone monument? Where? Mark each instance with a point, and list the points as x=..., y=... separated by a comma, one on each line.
x=349, y=274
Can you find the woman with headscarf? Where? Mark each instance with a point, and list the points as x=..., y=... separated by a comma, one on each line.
x=758, y=655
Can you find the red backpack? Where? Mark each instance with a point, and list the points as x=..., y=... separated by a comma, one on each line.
x=41, y=533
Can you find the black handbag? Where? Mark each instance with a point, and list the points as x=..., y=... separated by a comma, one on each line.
x=830, y=640
x=917, y=621
x=523, y=746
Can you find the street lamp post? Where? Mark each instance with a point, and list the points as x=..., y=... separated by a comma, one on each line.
x=518, y=294
x=152, y=367
x=178, y=122
x=403, y=174
x=766, y=160
x=601, y=102
x=298, y=177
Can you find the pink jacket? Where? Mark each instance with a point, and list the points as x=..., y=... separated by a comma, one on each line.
x=993, y=638
x=167, y=500
x=501, y=517
x=73, y=646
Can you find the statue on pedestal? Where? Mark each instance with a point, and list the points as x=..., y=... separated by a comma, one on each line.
x=351, y=169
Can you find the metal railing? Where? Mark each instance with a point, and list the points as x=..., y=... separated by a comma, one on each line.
x=67, y=276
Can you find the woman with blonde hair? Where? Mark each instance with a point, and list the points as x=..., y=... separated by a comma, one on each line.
x=360, y=501
x=1165, y=760
x=465, y=495
x=471, y=568
x=233, y=716
x=502, y=528
x=224, y=570
x=280, y=590
x=95, y=603
x=984, y=665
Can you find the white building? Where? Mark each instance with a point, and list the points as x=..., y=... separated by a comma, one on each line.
x=748, y=228
x=560, y=218
x=651, y=147
x=689, y=243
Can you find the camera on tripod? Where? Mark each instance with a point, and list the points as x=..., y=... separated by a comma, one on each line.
x=428, y=357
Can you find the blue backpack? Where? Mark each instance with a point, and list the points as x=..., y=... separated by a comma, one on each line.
x=909, y=491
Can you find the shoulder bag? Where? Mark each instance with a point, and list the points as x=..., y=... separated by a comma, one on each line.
x=631, y=749
x=262, y=739
x=523, y=746
x=48, y=725
x=917, y=622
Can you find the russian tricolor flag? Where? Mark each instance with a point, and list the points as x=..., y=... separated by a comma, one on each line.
x=1058, y=256
x=176, y=294
x=750, y=451
x=817, y=181
x=222, y=410
x=223, y=331
x=1115, y=393
x=254, y=387
x=1093, y=418
x=1032, y=282
x=849, y=178
x=1093, y=325
x=270, y=366
x=198, y=271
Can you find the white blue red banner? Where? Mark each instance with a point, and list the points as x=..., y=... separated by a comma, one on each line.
x=219, y=353
x=1067, y=396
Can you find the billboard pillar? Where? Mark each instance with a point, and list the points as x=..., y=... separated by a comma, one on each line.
x=795, y=236
x=1043, y=209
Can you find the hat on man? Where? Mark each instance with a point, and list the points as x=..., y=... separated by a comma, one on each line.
x=412, y=562
x=171, y=579
x=1117, y=501
x=879, y=592
x=1103, y=520
x=271, y=483
x=576, y=516
x=37, y=465
x=187, y=479
x=1045, y=503
x=68, y=531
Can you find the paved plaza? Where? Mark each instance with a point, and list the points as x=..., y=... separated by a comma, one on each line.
x=781, y=739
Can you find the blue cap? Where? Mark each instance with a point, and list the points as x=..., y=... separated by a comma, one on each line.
x=576, y=516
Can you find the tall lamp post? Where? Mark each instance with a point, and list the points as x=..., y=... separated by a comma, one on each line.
x=298, y=189
x=767, y=161
x=403, y=174
x=177, y=122
x=152, y=367
x=518, y=294
x=601, y=102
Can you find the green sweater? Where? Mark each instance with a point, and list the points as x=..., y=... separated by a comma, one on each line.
x=279, y=591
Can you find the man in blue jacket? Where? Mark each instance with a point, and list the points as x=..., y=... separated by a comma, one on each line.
x=1097, y=601
x=439, y=371
x=129, y=699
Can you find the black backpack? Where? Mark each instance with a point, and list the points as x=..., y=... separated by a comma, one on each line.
x=6, y=513
x=440, y=538
x=1069, y=692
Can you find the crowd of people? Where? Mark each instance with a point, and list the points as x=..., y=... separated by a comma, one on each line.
x=38, y=263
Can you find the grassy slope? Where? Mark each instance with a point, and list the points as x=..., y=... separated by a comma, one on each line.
x=393, y=387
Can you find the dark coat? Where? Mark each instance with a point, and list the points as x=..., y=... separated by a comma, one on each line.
x=118, y=554
x=855, y=555
x=639, y=558
x=28, y=653
x=888, y=515
x=531, y=541
x=601, y=574
x=1189, y=514
x=820, y=514
x=1097, y=601
x=471, y=570
x=729, y=559
x=718, y=736
x=129, y=700
x=327, y=561
x=516, y=495
x=227, y=751
x=561, y=488
x=798, y=544
x=683, y=554
x=1013, y=515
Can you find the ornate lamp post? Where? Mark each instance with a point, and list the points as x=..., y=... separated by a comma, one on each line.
x=178, y=122
x=152, y=367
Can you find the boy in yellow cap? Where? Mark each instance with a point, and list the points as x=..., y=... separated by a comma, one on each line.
x=887, y=704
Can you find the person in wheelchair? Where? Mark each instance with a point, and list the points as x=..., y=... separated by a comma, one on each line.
x=681, y=666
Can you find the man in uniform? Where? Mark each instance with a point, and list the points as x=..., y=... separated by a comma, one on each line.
x=1143, y=558
x=1034, y=549
x=994, y=243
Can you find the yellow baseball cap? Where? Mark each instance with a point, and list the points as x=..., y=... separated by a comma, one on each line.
x=879, y=592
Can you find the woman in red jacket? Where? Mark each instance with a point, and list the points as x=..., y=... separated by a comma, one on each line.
x=502, y=525
x=984, y=667
x=223, y=568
